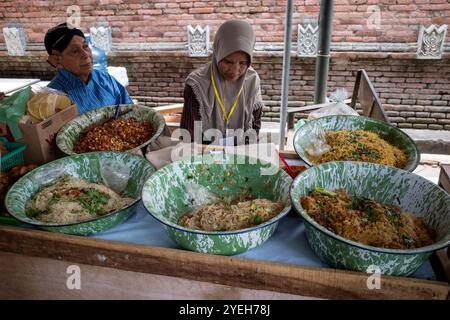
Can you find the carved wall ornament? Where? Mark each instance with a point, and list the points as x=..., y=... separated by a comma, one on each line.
x=307, y=40
x=15, y=40
x=101, y=37
x=198, y=41
x=431, y=42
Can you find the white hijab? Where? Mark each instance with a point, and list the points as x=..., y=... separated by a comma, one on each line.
x=232, y=36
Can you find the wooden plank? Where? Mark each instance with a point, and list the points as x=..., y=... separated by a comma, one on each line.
x=292, y=110
x=440, y=261
x=442, y=257
x=172, y=118
x=25, y=277
x=369, y=100
x=230, y=271
x=444, y=177
x=172, y=108
x=289, y=154
x=306, y=108
x=289, y=141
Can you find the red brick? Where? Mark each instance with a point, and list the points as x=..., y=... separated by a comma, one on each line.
x=398, y=77
x=150, y=12
x=201, y=10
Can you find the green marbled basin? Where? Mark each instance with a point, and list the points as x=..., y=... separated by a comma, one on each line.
x=304, y=135
x=84, y=166
x=166, y=198
x=71, y=131
x=384, y=184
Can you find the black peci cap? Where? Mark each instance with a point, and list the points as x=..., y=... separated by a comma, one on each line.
x=59, y=37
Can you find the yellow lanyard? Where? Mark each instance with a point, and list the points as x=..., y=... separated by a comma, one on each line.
x=227, y=117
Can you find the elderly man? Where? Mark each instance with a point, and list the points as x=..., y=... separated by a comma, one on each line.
x=88, y=88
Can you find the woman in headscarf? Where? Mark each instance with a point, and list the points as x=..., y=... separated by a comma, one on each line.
x=225, y=93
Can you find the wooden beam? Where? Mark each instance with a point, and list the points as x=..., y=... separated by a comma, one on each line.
x=172, y=108
x=230, y=271
x=24, y=277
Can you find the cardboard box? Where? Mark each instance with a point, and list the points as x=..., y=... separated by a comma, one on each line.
x=40, y=137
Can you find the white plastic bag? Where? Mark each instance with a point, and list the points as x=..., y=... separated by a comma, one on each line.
x=199, y=195
x=318, y=145
x=335, y=107
x=50, y=175
x=115, y=174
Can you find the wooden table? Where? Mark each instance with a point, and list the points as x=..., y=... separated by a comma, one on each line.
x=9, y=85
x=33, y=265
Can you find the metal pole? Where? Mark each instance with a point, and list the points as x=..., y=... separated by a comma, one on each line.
x=323, y=50
x=286, y=68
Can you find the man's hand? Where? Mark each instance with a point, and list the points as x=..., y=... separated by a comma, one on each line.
x=2, y=95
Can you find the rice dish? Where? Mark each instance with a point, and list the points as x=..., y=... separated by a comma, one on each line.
x=366, y=221
x=360, y=145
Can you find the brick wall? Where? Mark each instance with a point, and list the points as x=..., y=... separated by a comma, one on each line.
x=416, y=93
x=166, y=20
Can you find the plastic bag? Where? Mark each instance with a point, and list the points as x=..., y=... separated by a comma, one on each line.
x=335, y=107
x=49, y=175
x=115, y=174
x=318, y=145
x=199, y=195
x=12, y=110
x=45, y=103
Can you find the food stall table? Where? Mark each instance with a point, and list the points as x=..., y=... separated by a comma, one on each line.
x=137, y=259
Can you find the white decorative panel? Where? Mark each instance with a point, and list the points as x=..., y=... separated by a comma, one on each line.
x=307, y=40
x=101, y=37
x=431, y=42
x=198, y=40
x=15, y=41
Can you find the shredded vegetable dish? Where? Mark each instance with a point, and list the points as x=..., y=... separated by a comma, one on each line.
x=360, y=145
x=366, y=221
x=227, y=214
x=73, y=200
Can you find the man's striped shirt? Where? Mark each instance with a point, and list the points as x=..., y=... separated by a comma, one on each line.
x=101, y=90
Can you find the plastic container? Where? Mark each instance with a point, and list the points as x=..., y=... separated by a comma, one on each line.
x=98, y=55
x=14, y=157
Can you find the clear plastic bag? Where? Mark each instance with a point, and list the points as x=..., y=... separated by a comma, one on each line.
x=49, y=175
x=45, y=102
x=199, y=195
x=336, y=106
x=115, y=174
x=318, y=145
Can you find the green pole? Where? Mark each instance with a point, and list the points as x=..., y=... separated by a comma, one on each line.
x=323, y=50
